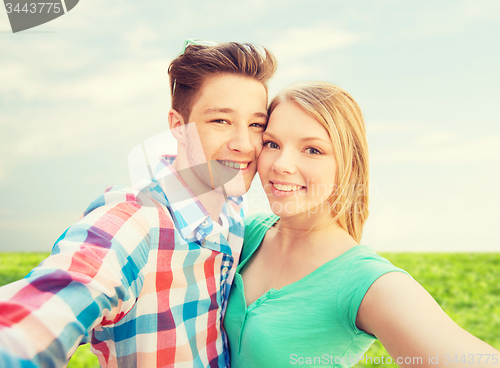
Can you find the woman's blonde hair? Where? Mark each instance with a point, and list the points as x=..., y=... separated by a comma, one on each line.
x=341, y=116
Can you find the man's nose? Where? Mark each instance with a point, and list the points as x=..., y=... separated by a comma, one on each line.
x=241, y=140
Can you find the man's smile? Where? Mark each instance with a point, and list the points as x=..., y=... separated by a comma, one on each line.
x=235, y=164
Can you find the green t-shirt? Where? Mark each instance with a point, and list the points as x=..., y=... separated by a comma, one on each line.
x=309, y=322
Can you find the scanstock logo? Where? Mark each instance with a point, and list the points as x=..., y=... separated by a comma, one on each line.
x=28, y=14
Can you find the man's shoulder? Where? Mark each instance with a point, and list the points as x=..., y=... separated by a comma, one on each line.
x=127, y=199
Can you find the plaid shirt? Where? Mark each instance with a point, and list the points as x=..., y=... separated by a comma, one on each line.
x=144, y=277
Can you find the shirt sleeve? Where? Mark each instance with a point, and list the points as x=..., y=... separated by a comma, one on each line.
x=361, y=274
x=93, y=276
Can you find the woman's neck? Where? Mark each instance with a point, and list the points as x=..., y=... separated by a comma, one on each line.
x=296, y=232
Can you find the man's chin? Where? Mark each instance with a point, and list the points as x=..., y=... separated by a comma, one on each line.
x=233, y=189
x=236, y=187
x=230, y=192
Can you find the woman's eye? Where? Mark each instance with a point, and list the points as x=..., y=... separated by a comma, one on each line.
x=313, y=151
x=270, y=144
x=220, y=121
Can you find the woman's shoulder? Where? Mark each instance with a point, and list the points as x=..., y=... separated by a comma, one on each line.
x=256, y=226
x=365, y=266
x=365, y=261
x=361, y=268
x=258, y=220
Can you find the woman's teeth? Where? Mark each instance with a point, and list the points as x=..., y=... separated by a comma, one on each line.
x=287, y=188
x=235, y=165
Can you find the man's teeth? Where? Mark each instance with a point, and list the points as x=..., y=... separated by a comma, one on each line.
x=287, y=188
x=235, y=165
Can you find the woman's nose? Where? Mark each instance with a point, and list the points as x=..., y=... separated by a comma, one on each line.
x=285, y=164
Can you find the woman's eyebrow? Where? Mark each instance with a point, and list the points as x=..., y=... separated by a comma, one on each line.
x=266, y=132
x=303, y=139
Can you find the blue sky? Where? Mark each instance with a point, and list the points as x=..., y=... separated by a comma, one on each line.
x=78, y=93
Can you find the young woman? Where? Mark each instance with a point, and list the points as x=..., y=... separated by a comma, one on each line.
x=305, y=291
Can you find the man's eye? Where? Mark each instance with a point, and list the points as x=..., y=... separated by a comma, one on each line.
x=313, y=151
x=258, y=125
x=220, y=121
x=270, y=144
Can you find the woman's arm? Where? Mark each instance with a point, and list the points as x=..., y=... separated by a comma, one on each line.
x=411, y=325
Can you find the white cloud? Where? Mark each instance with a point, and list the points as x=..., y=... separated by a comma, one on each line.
x=82, y=130
x=116, y=83
x=86, y=15
x=436, y=138
x=380, y=127
x=290, y=72
x=479, y=149
x=417, y=141
x=43, y=230
x=17, y=78
x=447, y=225
x=52, y=221
x=306, y=41
x=480, y=10
x=119, y=101
x=450, y=18
x=139, y=37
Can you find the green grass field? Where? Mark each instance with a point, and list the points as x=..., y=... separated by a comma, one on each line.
x=466, y=285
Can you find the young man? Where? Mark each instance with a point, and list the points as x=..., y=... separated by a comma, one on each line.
x=145, y=275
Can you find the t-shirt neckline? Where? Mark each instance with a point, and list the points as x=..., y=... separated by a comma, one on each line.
x=294, y=285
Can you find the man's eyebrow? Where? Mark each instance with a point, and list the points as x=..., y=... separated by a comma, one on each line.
x=215, y=110
x=304, y=139
x=219, y=110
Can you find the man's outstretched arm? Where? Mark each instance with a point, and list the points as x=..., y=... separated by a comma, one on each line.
x=93, y=277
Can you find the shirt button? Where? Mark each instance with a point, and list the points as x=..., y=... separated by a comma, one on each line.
x=225, y=269
x=205, y=222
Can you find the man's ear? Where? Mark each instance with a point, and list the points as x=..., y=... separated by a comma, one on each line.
x=176, y=125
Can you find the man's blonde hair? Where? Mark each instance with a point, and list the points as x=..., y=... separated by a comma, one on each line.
x=341, y=116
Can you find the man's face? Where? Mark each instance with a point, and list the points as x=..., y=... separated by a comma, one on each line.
x=230, y=116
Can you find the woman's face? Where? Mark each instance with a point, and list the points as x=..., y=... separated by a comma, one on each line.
x=297, y=165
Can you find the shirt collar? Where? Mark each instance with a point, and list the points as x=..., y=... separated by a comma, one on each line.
x=190, y=217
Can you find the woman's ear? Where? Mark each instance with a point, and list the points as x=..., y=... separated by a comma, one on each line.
x=176, y=125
